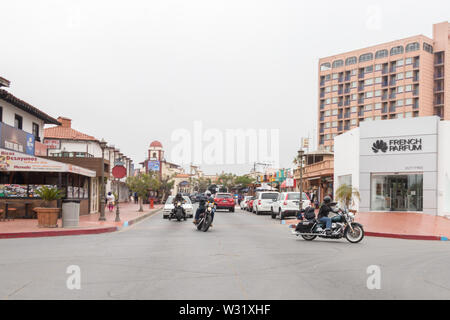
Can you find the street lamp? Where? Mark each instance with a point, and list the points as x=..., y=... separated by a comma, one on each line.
x=118, y=191
x=300, y=157
x=102, y=196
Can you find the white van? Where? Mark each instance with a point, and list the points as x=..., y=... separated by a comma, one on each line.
x=263, y=201
x=288, y=205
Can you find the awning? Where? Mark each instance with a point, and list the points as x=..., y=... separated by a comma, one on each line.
x=16, y=161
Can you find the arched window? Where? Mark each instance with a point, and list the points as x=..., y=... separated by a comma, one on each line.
x=412, y=47
x=154, y=155
x=350, y=61
x=381, y=54
x=365, y=57
x=396, y=50
x=338, y=63
x=427, y=47
x=325, y=66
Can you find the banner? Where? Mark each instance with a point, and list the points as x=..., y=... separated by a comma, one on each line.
x=15, y=139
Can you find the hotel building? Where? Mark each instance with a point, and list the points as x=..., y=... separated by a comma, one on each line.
x=400, y=79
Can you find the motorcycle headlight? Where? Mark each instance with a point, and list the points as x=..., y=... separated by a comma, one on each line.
x=179, y=203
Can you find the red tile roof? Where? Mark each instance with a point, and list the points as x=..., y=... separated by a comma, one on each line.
x=60, y=132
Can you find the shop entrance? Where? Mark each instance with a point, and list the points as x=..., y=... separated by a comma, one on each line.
x=397, y=192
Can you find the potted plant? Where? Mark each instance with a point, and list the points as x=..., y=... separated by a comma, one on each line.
x=48, y=215
x=347, y=195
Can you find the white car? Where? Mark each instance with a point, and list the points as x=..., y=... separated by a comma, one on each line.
x=288, y=204
x=244, y=202
x=263, y=201
x=168, y=206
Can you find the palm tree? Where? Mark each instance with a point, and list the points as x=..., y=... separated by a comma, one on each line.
x=347, y=195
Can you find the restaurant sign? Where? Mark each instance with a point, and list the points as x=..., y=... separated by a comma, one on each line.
x=52, y=143
x=15, y=139
x=15, y=161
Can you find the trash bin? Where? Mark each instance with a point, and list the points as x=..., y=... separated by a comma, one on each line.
x=70, y=213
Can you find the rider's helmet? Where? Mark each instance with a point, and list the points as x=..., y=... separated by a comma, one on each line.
x=327, y=200
x=179, y=195
x=208, y=193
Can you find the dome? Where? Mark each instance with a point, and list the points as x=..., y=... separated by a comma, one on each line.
x=156, y=144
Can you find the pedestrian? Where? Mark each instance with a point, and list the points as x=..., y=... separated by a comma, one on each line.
x=110, y=201
x=136, y=198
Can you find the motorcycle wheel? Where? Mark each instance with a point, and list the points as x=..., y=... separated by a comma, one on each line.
x=200, y=225
x=356, y=236
x=206, y=224
x=309, y=238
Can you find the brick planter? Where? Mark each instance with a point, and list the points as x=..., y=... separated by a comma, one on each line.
x=47, y=217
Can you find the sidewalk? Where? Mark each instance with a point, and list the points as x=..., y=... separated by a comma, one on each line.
x=89, y=224
x=401, y=225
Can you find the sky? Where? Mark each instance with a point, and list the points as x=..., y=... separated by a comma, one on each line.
x=136, y=71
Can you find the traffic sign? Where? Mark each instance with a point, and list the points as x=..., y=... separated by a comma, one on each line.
x=119, y=172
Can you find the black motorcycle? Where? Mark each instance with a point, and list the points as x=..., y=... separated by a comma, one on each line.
x=205, y=218
x=177, y=212
x=343, y=225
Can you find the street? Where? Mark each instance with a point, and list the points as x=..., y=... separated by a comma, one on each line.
x=243, y=256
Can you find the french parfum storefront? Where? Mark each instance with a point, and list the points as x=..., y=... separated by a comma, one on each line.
x=400, y=165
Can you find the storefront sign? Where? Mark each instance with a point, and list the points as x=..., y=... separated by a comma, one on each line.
x=16, y=140
x=40, y=149
x=15, y=161
x=153, y=166
x=377, y=146
x=397, y=145
x=52, y=143
x=289, y=183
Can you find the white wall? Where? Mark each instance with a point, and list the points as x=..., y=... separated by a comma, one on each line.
x=444, y=168
x=90, y=147
x=9, y=112
x=346, y=158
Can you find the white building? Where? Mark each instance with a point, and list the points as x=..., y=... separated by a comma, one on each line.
x=397, y=165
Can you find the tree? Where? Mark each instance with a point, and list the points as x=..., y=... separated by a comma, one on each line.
x=166, y=185
x=226, y=180
x=142, y=184
x=346, y=194
x=243, y=182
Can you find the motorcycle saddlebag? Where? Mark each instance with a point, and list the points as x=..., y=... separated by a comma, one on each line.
x=305, y=226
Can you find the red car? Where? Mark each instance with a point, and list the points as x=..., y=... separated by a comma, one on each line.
x=250, y=204
x=224, y=201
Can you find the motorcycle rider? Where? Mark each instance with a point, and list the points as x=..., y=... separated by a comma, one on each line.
x=179, y=197
x=324, y=211
x=207, y=197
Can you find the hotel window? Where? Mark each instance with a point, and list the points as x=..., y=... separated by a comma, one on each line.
x=399, y=76
x=334, y=100
x=325, y=67
x=400, y=89
x=353, y=72
x=408, y=88
x=338, y=63
x=18, y=120
x=334, y=124
x=377, y=118
x=335, y=76
x=327, y=77
x=353, y=122
x=327, y=125
x=368, y=82
x=354, y=109
x=354, y=97
x=334, y=112
x=408, y=74
x=400, y=103
x=335, y=88
x=378, y=80
x=427, y=47
x=327, y=101
x=408, y=102
x=381, y=54
x=327, y=136
x=378, y=67
x=369, y=94
x=408, y=114
x=412, y=47
x=354, y=84
x=327, y=89
x=399, y=63
x=378, y=106
x=350, y=61
x=396, y=50
x=368, y=107
x=365, y=57
x=327, y=113
x=377, y=93
x=408, y=61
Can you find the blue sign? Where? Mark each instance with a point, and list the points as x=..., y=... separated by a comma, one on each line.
x=30, y=144
x=153, y=165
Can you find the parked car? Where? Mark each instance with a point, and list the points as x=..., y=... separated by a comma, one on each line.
x=288, y=204
x=263, y=201
x=250, y=204
x=168, y=206
x=244, y=202
x=224, y=201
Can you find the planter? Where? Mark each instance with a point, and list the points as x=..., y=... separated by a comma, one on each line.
x=47, y=217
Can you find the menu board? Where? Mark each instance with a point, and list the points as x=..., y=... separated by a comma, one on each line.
x=13, y=190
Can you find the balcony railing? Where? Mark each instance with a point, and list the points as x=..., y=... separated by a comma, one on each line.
x=392, y=96
x=385, y=71
x=319, y=168
x=360, y=100
x=392, y=109
x=361, y=75
x=392, y=82
x=416, y=64
x=384, y=109
x=347, y=90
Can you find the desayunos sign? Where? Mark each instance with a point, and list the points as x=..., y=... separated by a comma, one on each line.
x=392, y=145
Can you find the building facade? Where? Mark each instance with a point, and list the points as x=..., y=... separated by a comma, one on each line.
x=397, y=165
x=400, y=79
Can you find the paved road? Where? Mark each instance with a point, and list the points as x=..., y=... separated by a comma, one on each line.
x=243, y=257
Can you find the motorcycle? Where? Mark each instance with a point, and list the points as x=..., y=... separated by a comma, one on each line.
x=343, y=225
x=177, y=212
x=205, y=218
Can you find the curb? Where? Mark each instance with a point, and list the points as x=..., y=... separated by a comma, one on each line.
x=395, y=235
x=62, y=233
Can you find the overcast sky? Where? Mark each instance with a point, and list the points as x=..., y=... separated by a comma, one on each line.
x=134, y=71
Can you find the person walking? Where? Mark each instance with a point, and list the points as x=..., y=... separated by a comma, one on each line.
x=110, y=198
x=136, y=198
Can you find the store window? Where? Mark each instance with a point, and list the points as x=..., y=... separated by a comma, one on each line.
x=396, y=192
